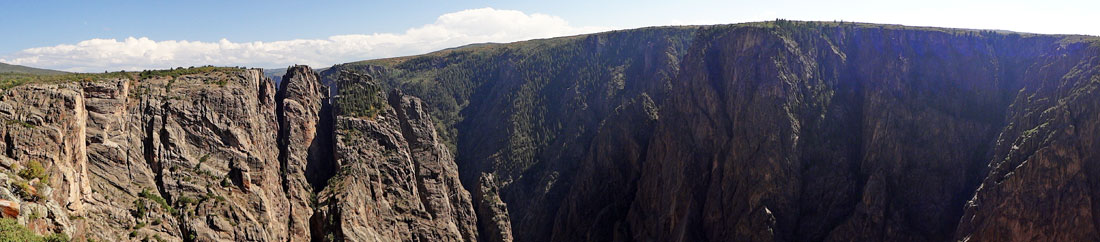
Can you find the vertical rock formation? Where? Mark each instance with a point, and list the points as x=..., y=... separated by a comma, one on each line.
x=44, y=129
x=493, y=222
x=301, y=99
x=222, y=155
x=194, y=127
x=396, y=180
x=141, y=159
x=440, y=191
x=117, y=164
x=217, y=154
x=159, y=155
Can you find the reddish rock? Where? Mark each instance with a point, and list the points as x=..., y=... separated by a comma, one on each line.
x=10, y=209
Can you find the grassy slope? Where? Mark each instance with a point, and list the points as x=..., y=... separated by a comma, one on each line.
x=9, y=80
x=8, y=68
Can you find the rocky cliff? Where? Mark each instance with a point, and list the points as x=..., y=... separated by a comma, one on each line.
x=130, y=159
x=772, y=131
x=395, y=181
x=215, y=154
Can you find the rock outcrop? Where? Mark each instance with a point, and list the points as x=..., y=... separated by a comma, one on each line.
x=44, y=130
x=167, y=149
x=396, y=180
x=493, y=221
x=208, y=154
x=305, y=156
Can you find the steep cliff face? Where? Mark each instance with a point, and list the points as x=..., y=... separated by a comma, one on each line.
x=807, y=134
x=44, y=130
x=848, y=133
x=167, y=149
x=595, y=206
x=788, y=131
x=1042, y=184
x=305, y=142
x=526, y=113
x=396, y=181
x=128, y=159
x=208, y=155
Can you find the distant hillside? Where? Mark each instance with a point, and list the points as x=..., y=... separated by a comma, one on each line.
x=7, y=68
x=471, y=46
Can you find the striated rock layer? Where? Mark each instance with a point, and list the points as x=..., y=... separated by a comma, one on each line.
x=214, y=155
x=169, y=146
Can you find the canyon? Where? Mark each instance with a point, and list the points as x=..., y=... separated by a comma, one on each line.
x=768, y=131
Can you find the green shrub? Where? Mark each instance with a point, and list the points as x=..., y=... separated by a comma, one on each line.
x=9, y=80
x=145, y=193
x=180, y=71
x=35, y=214
x=185, y=200
x=12, y=231
x=12, y=122
x=140, y=210
x=212, y=196
x=24, y=189
x=34, y=170
x=220, y=83
x=58, y=237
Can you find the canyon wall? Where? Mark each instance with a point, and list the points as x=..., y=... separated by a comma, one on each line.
x=784, y=131
x=771, y=131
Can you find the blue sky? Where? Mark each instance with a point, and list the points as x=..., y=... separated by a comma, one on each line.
x=112, y=35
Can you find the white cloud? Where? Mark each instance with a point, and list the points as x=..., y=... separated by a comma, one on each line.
x=449, y=30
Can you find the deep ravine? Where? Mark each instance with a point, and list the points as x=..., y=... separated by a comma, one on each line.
x=771, y=131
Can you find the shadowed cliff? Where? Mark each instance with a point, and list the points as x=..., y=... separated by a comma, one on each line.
x=790, y=131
